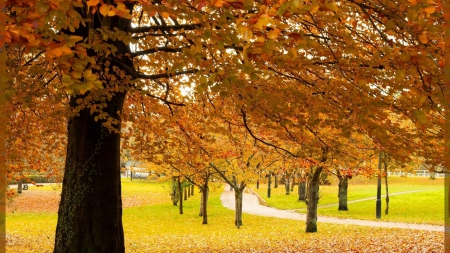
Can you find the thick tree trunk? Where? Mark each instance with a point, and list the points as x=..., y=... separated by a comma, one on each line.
x=204, y=205
x=180, y=190
x=301, y=190
x=90, y=210
x=342, y=193
x=312, y=194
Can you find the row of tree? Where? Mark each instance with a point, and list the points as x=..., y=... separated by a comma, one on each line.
x=216, y=86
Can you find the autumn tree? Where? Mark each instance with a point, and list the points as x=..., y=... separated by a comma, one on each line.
x=300, y=70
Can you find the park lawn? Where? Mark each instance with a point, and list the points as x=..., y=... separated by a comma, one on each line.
x=420, y=207
x=358, y=188
x=158, y=227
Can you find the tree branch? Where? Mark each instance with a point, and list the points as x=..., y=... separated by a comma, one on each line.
x=165, y=75
x=244, y=117
x=164, y=28
x=156, y=49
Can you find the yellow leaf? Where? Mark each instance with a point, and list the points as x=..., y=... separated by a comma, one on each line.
x=430, y=9
x=104, y=9
x=87, y=73
x=314, y=9
x=273, y=34
x=400, y=75
x=111, y=13
x=218, y=3
x=65, y=50
x=423, y=38
x=165, y=14
x=92, y=2
x=56, y=51
x=121, y=6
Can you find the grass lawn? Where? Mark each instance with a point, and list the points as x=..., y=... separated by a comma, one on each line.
x=426, y=206
x=153, y=224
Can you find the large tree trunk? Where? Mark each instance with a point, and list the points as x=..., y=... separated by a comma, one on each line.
x=90, y=210
x=342, y=193
x=312, y=194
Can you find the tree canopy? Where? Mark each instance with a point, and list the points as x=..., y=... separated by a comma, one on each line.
x=314, y=81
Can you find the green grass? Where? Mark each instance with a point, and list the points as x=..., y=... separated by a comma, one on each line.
x=158, y=227
x=419, y=207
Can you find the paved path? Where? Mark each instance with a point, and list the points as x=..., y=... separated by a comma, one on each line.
x=251, y=206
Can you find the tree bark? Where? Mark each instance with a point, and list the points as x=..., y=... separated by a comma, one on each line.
x=287, y=184
x=386, y=211
x=90, y=210
x=293, y=177
x=192, y=190
x=312, y=194
x=200, y=213
x=204, y=205
x=185, y=193
x=302, y=190
x=19, y=186
x=180, y=190
x=276, y=181
x=342, y=193
x=238, y=196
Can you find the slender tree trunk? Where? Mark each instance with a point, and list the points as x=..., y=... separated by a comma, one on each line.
x=238, y=196
x=386, y=211
x=257, y=181
x=188, y=189
x=185, y=193
x=276, y=181
x=180, y=190
x=269, y=184
x=192, y=190
x=19, y=186
x=312, y=194
x=302, y=190
x=342, y=193
x=204, y=205
x=90, y=210
x=200, y=213
x=287, y=185
x=293, y=178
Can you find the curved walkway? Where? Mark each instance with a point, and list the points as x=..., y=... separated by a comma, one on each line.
x=251, y=205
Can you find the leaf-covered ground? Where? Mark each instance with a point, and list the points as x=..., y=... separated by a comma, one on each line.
x=152, y=224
